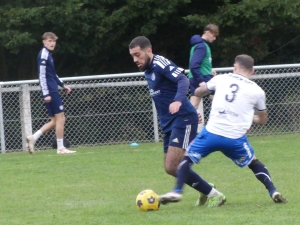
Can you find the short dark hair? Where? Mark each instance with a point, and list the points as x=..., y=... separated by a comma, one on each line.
x=245, y=61
x=212, y=28
x=140, y=41
x=49, y=35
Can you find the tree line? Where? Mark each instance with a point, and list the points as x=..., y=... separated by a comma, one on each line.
x=94, y=34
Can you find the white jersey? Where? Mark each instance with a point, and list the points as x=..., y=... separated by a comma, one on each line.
x=233, y=104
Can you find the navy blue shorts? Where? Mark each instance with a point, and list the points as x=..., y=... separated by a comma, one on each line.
x=194, y=83
x=55, y=106
x=182, y=134
x=238, y=150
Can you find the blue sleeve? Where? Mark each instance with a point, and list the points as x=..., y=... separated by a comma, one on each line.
x=196, y=60
x=175, y=74
x=59, y=81
x=42, y=77
x=182, y=88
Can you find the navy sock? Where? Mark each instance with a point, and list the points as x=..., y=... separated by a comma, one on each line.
x=262, y=174
x=190, y=177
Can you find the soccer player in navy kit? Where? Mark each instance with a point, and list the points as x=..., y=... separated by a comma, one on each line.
x=232, y=113
x=168, y=88
x=49, y=82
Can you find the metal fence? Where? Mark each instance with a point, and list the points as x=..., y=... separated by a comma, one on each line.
x=117, y=108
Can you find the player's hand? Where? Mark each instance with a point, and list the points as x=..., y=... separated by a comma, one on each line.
x=68, y=90
x=214, y=73
x=174, y=107
x=47, y=99
x=199, y=117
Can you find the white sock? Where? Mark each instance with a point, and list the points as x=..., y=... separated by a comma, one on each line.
x=214, y=192
x=60, y=143
x=37, y=135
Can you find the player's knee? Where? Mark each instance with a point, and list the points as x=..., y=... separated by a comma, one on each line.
x=171, y=170
x=52, y=122
x=253, y=163
x=60, y=118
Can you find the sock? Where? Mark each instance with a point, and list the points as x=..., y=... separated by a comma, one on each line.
x=190, y=177
x=60, y=143
x=262, y=174
x=196, y=182
x=213, y=192
x=37, y=135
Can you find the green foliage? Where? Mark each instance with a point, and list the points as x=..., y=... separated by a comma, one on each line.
x=255, y=27
x=94, y=34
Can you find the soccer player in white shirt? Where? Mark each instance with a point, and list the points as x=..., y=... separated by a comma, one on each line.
x=232, y=113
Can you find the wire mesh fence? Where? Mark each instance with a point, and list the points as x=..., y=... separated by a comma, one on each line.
x=116, y=109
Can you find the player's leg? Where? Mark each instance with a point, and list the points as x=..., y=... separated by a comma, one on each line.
x=200, y=112
x=195, y=101
x=31, y=140
x=175, y=159
x=262, y=174
x=243, y=155
x=175, y=143
x=194, y=84
x=59, y=115
x=183, y=175
x=201, y=147
x=177, y=140
x=186, y=175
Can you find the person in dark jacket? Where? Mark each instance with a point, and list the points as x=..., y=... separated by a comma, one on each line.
x=200, y=62
x=49, y=82
x=168, y=87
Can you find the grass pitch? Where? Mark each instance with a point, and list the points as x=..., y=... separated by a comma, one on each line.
x=98, y=185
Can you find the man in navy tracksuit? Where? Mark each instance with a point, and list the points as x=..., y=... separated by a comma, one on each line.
x=168, y=87
x=49, y=82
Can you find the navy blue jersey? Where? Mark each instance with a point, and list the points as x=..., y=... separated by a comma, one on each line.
x=47, y=74
x=168, y=84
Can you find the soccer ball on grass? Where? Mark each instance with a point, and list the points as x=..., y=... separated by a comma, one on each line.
x=147, y=200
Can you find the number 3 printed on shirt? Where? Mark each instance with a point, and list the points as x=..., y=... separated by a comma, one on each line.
x=234, y=90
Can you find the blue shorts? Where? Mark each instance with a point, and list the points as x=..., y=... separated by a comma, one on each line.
x=194, y=83
x=55, y=106
x=238, y=150
x=182, y=134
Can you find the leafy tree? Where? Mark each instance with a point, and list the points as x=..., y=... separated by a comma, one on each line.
x=260, y=28
x=94, y=34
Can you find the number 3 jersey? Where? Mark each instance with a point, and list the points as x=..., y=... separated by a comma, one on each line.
x=233, y=105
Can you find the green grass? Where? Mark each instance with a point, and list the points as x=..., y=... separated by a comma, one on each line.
x=98, y=185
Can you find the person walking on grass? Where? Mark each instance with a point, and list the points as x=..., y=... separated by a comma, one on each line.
x=49, y=82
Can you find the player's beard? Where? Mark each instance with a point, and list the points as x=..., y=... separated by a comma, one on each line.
x=146, y=65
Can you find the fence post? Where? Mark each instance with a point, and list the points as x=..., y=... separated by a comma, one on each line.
x=155, y=124
x=25, y=116
x=3, y=150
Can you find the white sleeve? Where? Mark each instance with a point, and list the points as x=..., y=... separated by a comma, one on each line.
x=261, y=101
x=211, y=84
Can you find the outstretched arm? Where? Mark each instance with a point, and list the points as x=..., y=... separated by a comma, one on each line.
x=261, y=117
x=202, y=90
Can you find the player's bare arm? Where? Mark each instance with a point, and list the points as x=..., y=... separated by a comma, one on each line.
x=214, y=73
x=202, y=90
x=261, y=117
